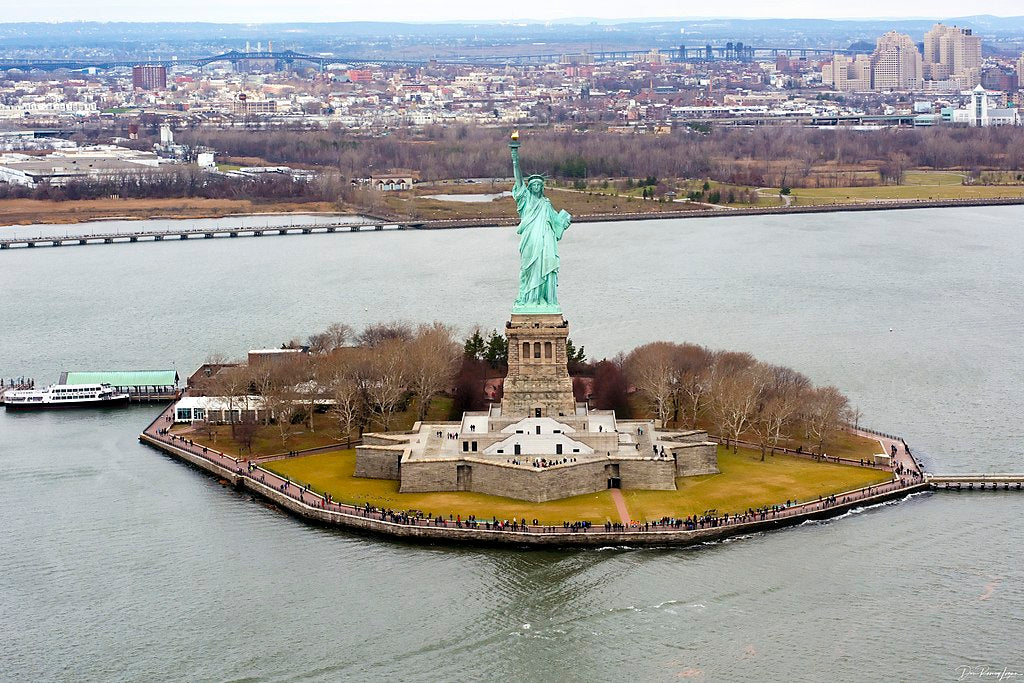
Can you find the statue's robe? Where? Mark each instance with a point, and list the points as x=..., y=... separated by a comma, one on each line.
x=540, y=228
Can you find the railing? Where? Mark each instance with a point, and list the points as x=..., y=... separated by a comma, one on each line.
x=875, y=432
x=803, y=454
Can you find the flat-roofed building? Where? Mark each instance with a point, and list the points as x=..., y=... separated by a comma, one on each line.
x=149, y=77
x=140, y=385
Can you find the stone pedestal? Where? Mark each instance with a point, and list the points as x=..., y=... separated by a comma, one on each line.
x=538, y=381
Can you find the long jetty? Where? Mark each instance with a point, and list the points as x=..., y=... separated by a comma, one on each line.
x=379, y=224
x=975, y=482
x=192, y=233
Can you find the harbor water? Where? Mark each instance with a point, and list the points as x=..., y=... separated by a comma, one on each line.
x=122, y=564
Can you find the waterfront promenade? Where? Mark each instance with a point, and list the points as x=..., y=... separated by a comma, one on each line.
x=692, y=530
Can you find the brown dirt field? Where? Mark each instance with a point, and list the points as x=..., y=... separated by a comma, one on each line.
x=29, y=211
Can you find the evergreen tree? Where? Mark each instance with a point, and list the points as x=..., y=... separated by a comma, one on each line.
x=474, y=346
x=496, y=353
x=573, y=355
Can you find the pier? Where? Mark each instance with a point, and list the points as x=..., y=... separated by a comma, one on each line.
x=974, y=482
x=191, y=233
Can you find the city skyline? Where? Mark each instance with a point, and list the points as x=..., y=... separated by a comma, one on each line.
x=265, y=11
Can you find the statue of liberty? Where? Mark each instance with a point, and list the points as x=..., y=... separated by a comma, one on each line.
x=540, y=229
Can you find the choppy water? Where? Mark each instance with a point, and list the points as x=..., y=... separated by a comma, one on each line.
x=121, y=564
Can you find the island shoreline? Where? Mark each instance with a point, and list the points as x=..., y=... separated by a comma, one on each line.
x=472, y=222
x=371, y=523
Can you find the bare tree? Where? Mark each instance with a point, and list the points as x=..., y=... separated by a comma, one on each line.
x=231, y=384
x=282, y=391
x=652, y=369
x=379, y=333
x=386, y=385
x=432, y=359
x=734, y=400
x=780, y=400
x=336, y=336
x=694, y=365
x=244, y=432
x=346, y=394
x=825, y=410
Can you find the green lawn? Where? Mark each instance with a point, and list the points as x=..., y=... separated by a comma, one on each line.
x=744, y=482
x=933, y=178
x=332, y=473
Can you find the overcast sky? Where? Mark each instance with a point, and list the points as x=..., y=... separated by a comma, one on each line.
x=249, y=11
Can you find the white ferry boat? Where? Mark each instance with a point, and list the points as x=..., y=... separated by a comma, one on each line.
x=65, y=396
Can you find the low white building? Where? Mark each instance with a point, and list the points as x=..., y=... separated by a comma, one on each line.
x=218, y=408
x=58, y=168
x=981, y=112
x=225, y=409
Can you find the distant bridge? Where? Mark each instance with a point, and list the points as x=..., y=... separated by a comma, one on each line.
x=729, y=51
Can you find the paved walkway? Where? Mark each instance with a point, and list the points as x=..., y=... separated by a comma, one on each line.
x=620, y=505
x=904, y=457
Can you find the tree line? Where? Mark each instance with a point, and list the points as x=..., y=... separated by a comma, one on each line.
x=357, y=378
x=185, y=182
x=363, y=378
x=766, y=156
x=734, y=394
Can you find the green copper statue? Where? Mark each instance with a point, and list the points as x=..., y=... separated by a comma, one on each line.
x=540, y=229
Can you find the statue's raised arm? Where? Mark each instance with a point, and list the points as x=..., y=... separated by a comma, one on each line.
x=513, y=146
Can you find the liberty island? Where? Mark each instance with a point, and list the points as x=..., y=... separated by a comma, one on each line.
x=536, y=446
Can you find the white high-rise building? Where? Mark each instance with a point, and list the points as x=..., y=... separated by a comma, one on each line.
x=896, y=63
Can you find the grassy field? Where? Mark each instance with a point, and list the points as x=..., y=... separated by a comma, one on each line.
x=29, y=211
x=916, y=185
x=744, y=482
x=575, y=202
x=267, y=439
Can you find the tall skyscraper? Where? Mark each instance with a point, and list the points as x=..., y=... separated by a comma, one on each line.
x=149, y=77
x=896, y=64
x=1020, y=71
x=951, y=52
